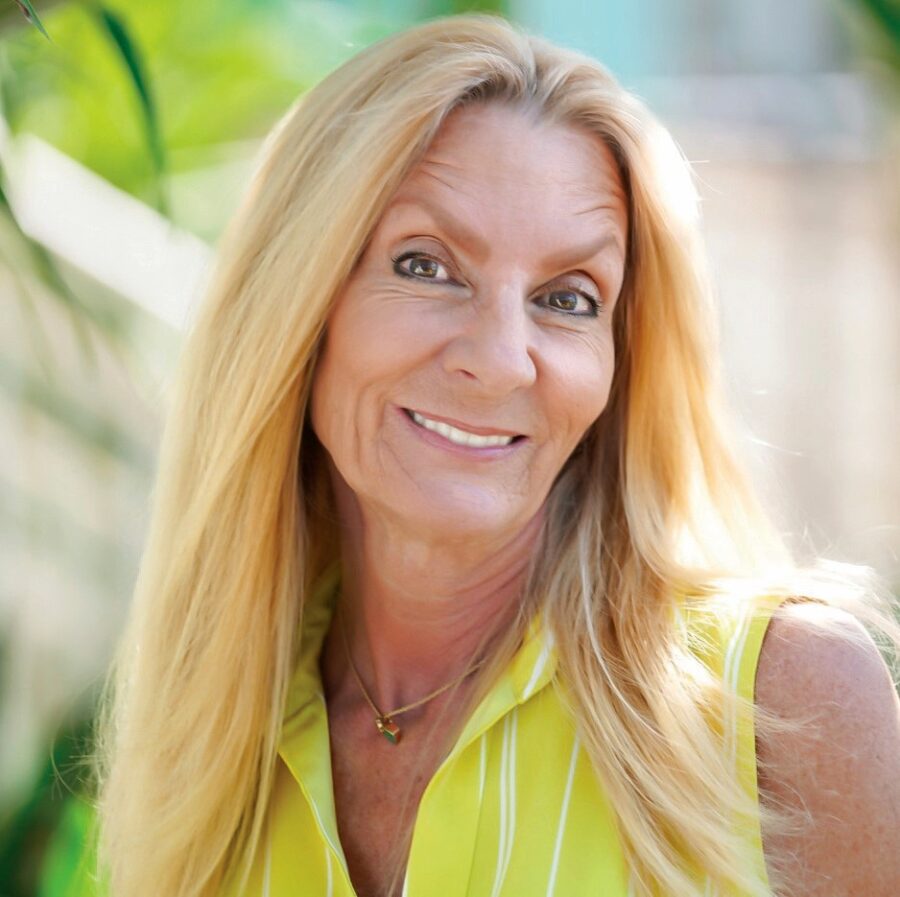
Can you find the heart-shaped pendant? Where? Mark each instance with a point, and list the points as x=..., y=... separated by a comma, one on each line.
x=388, y=728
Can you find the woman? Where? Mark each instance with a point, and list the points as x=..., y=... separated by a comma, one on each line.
x=453, y=585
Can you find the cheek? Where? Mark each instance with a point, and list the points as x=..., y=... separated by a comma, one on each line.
x=359, y=359
x=331, y=394
x=580, y=390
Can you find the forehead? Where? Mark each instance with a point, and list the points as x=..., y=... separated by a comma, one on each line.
x=498, y=164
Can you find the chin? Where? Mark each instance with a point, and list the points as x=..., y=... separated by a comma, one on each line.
x=452, y=514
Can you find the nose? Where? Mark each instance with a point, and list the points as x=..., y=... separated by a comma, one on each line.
x=493, y=347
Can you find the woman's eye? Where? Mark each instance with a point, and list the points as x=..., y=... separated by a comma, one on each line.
x=572, y=302
x=415, y=264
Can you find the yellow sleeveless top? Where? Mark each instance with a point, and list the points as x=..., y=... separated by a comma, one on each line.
x=515, y=810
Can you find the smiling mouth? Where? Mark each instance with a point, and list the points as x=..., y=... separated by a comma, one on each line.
x=457, y=436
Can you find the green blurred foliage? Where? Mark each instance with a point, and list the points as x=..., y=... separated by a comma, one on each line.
x=875, y=26
x=42, y=844
x=168, y=79
x=68, y=868
x=134, y=89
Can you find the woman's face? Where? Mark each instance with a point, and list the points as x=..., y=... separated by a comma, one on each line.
x=472, y=346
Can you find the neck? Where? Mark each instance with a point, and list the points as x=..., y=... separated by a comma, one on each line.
x=416, y=611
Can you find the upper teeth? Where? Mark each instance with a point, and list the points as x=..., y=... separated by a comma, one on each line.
x=460, y=437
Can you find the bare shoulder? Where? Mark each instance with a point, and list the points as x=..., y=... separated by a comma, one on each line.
x=815, y=653
x=840, y=770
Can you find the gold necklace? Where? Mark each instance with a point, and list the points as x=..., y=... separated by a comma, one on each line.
x=384, y=722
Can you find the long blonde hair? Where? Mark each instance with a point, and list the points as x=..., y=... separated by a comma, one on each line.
x=652, y=505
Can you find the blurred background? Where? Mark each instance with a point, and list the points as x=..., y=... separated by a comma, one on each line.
x=128, y=131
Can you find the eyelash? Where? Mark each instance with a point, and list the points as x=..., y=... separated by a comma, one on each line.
x=595, y=303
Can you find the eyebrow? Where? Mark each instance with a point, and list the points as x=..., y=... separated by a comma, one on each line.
x=454, y=228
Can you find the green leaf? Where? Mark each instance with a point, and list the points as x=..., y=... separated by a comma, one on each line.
x=31, y=16
x=880, y=31
x=126, y=48
x=24, y=835
x=68, y=869
x=887, y=15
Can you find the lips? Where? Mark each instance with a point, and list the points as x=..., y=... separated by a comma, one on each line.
x=463, y=434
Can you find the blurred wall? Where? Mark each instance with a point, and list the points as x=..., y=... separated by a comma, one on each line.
x=794, y=142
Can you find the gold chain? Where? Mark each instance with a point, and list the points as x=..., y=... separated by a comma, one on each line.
x=384, y=721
